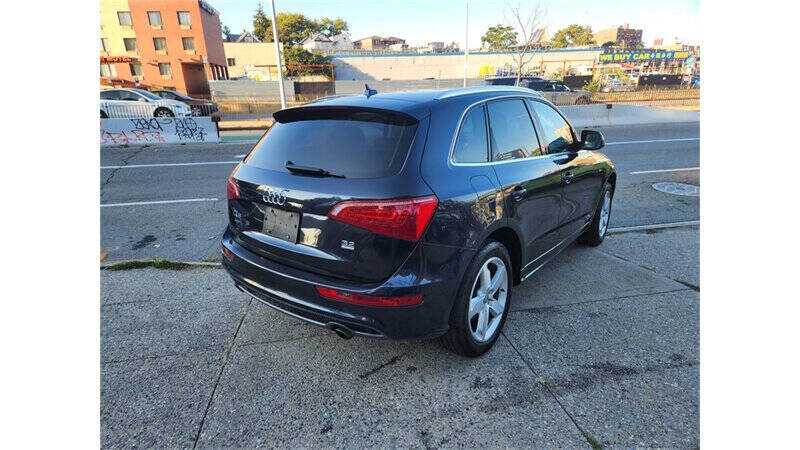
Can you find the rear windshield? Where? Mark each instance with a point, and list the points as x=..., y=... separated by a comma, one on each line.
x=354, y=143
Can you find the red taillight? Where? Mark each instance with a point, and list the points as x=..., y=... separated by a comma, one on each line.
x=233, y=189
x=369, y=300
x=402, y=218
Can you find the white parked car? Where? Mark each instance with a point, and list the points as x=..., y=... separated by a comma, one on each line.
x=116, y=103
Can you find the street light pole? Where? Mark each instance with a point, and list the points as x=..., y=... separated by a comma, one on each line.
x=278, y=54
x=466, y=44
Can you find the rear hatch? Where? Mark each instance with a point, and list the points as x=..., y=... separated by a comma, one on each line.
x=314, y=192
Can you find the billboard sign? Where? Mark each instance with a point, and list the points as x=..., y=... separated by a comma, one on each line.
x=643, y=56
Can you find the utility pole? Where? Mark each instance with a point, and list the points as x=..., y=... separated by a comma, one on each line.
x=466, y=44
x=278, y=54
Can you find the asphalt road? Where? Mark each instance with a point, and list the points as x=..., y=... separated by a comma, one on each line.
x=169, y=201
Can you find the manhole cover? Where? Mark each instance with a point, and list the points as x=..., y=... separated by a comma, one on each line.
x=689, y=190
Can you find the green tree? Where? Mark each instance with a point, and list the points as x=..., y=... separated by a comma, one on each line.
x=499, y=37
x=294, y=27
x=331, y=27
x=262, y=25
x=226, y=31
x=297, y=55
x=573, y=36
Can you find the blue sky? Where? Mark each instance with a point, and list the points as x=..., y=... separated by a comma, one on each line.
x=420, y=21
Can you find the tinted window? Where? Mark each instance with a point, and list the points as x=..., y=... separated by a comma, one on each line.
x=351, y=142
x=537, y=85
x=128, y=95
x=471, y=145
x=109, y=95
x=513, y=135
x=557, y=135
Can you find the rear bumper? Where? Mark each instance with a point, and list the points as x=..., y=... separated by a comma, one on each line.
x=433, y=270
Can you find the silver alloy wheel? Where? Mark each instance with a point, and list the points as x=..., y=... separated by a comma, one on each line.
x=604, y=213
x=487, y=301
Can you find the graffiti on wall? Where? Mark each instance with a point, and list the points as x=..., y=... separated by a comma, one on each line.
x=147, y=130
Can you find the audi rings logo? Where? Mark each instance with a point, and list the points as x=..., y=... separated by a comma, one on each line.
x=274, y=197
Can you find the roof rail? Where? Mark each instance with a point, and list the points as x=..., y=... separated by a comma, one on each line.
x=487, y=88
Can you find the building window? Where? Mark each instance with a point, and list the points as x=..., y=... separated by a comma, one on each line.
x=184, y=18
x=136, y=69
x=165, y=69
x=188, y=44
x=108, y=71
x=155, y=18
x=124, y=18
x=104, y=44
x=160, y=44
x=130, y=44
x=231, y=62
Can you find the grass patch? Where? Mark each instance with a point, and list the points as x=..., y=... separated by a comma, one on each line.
x=156, y=264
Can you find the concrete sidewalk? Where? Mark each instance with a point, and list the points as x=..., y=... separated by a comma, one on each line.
x=601, y=348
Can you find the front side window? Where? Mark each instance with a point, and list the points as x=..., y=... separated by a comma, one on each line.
x=188, y=44
x=165, y=69
x=154, y=17
x=184, y=18
x=130, y=44
x=136, y=69
x=471, y=144
x=512, y=132
x=160, y=44
x=557, y=135
x=124, y=18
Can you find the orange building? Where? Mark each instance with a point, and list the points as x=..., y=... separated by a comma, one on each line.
x=173, y=44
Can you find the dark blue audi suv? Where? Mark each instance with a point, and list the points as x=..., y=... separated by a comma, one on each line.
x=412, y=215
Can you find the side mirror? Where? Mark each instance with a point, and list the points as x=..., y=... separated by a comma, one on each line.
x=592, y=140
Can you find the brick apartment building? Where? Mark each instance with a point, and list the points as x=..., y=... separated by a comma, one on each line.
x=173, y=44
x=626, y=36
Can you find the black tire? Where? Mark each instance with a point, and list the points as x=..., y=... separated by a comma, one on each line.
x=459, y=338
x=163, y=112
x=103, y=114
x=594, y=235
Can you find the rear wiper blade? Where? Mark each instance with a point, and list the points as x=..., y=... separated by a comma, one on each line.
x=294, y=168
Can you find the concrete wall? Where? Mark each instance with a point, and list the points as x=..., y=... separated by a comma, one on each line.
x=451, y=65
x=250, y=89
x=153, y=130
x=357, y=86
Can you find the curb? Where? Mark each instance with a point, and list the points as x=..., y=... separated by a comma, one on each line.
x=655, y=226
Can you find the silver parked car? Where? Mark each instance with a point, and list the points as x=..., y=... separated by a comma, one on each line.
x=117, y=103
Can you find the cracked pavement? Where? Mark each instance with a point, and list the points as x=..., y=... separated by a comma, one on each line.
x=601, y=347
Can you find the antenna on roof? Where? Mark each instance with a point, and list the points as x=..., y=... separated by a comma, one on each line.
x=369, y=92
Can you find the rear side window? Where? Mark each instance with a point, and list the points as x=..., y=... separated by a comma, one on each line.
x=351, y=142
x=512, y=132
x=557, y=134
x=471, y=144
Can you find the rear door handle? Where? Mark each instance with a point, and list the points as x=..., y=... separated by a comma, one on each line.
x=567, y=177
x=518, y=193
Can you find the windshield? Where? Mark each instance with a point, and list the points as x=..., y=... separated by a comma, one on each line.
x=149, y=95
x=353, y=143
